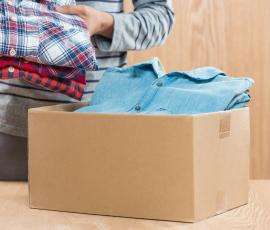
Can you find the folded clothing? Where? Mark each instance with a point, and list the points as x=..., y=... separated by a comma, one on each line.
x=36, y=32
x=145, y=88
x=44, y=76
x=43, y=70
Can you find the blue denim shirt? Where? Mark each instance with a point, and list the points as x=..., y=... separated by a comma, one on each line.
x=145, y=88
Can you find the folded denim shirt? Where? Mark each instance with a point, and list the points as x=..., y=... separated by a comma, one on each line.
x=33, y=30
x=145, y=88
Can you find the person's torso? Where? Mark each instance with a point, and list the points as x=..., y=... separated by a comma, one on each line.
x=17, y=96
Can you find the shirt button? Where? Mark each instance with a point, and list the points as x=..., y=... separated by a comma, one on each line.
x=159, y=84
x=13, y=18
x=137, y=107
x=11, y=69
x=12, y=52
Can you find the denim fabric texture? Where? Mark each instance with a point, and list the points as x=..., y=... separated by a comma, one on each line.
x=146, y=89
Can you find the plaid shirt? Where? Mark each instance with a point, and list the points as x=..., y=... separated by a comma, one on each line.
x=43, y=70
x=40, y=75
x=34, y=31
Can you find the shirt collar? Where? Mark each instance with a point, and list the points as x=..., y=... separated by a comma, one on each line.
x=155, y=64
x=201, y=74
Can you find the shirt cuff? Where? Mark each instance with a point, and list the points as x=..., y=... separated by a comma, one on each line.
x=116, y=42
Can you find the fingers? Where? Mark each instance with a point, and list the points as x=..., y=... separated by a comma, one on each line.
x=77, y=10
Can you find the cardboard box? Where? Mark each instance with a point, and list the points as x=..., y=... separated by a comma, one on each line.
x=180, y=168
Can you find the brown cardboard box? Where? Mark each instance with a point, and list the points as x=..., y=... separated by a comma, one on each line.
x=180, y=168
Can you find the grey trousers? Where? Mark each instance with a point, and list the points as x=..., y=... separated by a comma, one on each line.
x=13, y=158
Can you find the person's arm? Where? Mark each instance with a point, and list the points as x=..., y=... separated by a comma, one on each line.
x=147, y=26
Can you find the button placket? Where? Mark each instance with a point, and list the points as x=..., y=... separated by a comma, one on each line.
x=147, y=96
x=29, y=46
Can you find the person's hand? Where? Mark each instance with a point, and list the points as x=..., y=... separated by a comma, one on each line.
x=97, y=22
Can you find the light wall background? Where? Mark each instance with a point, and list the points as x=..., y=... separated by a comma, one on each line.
x=233, y=35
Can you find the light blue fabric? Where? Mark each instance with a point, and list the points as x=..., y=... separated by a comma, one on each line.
x=145, y=88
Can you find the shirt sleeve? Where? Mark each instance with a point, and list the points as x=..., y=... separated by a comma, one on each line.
x=148, y=25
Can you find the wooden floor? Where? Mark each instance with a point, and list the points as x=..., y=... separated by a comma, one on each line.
x=15, y=215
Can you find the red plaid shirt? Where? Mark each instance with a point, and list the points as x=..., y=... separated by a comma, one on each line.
x=57, y=79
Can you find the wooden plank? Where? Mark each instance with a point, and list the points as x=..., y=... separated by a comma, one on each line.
x=16, y=215
x=232, y=35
